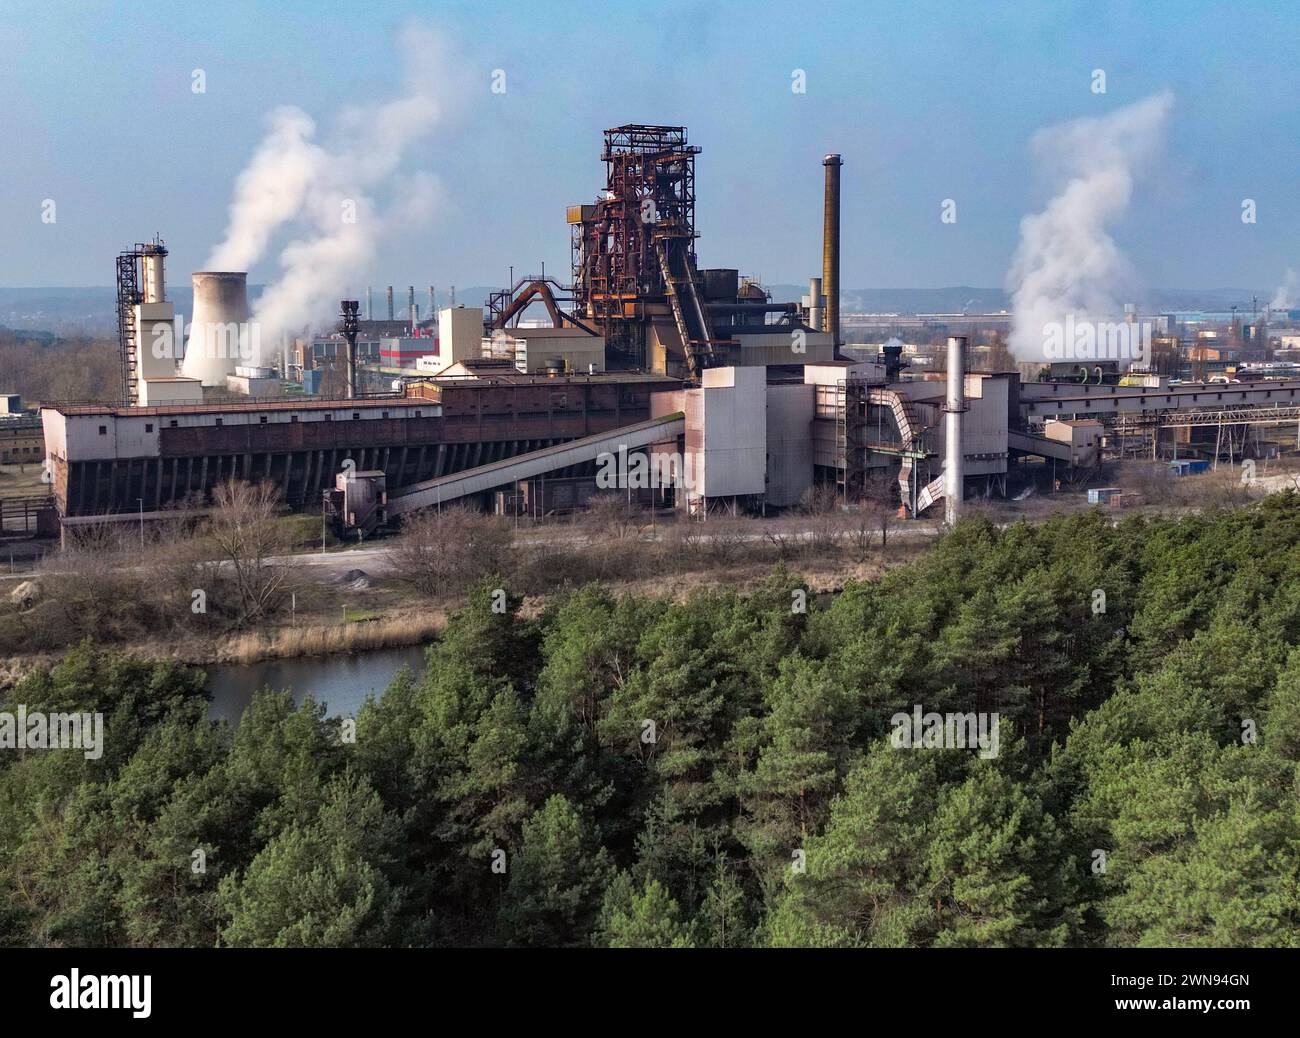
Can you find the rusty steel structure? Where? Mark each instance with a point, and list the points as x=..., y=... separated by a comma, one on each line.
x=634, y=262
x=503, y=306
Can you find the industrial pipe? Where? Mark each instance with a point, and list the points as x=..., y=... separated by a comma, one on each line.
x=831, y=247
x=752, y=308
x=953, y=460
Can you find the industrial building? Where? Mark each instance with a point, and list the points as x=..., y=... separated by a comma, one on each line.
x=733, y=402
x=22, y=439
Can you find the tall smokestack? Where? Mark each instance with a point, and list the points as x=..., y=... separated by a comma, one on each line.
x=390, y=302
x=433, y=302
x=348, y=312
x=831, y=247
x=410, y=307
x=954, y=462
x=370, y=314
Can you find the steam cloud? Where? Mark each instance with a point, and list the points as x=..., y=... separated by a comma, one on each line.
x=1067, y=262
x=341, y=199
x=1287, y=292
x=270, y=191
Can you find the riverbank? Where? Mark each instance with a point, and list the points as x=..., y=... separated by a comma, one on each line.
x=399, y=629
x=384, y=614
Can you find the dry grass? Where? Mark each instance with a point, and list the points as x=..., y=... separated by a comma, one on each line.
x=326, y=639
x=22, y=481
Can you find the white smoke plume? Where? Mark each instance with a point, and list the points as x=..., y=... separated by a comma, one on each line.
x=1067, y=263
x=270, y=191
x=340, y=199
x=1288, y=292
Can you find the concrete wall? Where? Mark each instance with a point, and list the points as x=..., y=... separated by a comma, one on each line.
x=789, y=443
x=983, y=425
x=255, y=387
x=576, y=348
x=726, y=432
x=771, y=348
x=99, y=437
x=1084, y=438
x=460, y=334
x=406, y=352
x=155, y=325
x=829, y=373
x=175, y=390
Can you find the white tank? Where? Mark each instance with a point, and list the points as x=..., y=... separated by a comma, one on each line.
x=221, y=335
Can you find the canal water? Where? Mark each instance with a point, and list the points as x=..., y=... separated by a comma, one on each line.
x=341, y=682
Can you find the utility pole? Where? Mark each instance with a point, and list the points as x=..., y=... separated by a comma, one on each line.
x=141, y=500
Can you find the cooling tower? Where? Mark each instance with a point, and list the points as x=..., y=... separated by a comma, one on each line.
x=220, y=332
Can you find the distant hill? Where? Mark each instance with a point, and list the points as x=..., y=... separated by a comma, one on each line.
x=91, y=311
x=964, y=299
x=907, y=300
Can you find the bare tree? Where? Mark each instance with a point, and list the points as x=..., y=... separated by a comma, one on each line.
x=686, y=537
x=91, y=584
x=609, y=517
x=725, y=537
x=245, y=532
x=821, y=508
x=444, y=551
x=868, y=524
x=782, y=541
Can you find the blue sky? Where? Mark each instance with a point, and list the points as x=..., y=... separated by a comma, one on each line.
x=925, y=101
